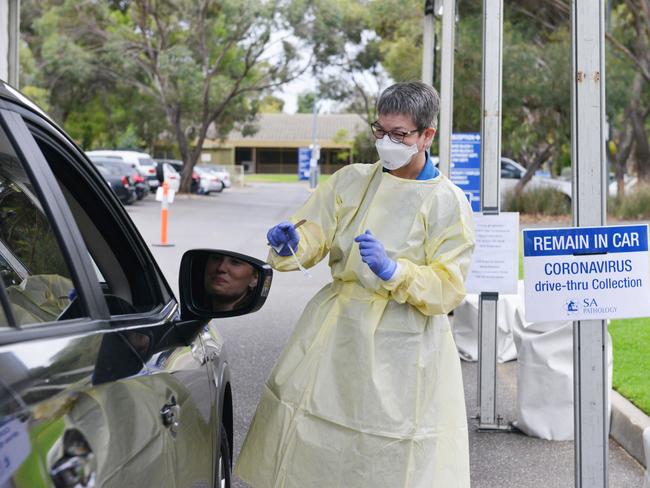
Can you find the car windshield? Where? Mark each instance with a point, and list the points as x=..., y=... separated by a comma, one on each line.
x=146, y=162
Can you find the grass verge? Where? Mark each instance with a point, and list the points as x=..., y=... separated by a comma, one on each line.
x=631, y=343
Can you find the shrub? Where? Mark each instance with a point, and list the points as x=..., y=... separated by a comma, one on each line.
x=635, y=204
x=546, y=201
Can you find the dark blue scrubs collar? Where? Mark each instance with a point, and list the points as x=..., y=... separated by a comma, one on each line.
x=429, y=171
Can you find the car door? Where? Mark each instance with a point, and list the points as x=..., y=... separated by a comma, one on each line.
x=102, y=389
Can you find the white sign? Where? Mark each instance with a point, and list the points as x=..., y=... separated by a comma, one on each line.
x=586, y=273
x=14, y=448
x=170, y=195
x=494, y=264
x=206, y=157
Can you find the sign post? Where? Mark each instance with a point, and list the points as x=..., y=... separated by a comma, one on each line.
x=589, y=185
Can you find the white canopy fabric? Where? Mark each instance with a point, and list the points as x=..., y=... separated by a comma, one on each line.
x=545, y=378
x=465, y=326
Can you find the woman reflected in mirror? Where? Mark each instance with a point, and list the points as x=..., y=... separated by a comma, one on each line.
x=229, y=282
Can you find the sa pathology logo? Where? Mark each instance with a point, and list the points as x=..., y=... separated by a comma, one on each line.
x=571, y=306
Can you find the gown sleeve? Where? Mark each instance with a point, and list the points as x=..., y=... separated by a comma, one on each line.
x=317, y=233
x=437, y=287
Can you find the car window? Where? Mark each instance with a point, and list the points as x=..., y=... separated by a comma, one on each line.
x=127, y=278
x=37, y=280
x=509, y=171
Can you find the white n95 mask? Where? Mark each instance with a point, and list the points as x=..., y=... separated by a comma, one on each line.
x=394, y=155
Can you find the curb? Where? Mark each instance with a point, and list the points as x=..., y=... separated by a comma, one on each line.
x=627, y=425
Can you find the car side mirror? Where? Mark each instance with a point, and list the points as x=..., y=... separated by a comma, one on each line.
x=217, y=283
x=160, y=173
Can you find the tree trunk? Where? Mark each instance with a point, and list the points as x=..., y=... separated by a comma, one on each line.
x=624, y=144
x=539, y=159
x=641, y=146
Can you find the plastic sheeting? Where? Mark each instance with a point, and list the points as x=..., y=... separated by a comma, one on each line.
x=545, y=378
x=465, y=327
x=368, y=390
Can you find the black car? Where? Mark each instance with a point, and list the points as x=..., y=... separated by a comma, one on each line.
x=106, y=378
x=119, y=182
x=139, y=182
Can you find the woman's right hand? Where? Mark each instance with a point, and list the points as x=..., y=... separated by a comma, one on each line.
x=283, y=238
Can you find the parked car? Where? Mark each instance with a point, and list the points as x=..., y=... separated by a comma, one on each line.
x=140, y=185
x=512, y=172
x=120, y=183
x=107, y=379
x=221, y=172
x=143, y=162
x=210, y=182
x=178, y=166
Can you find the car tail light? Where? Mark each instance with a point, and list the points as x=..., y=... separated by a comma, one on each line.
x=151, y=171
x=195, y=175
x=125, y=181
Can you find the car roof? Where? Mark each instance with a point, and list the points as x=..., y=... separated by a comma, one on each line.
x=113, y=161
x=118, y=152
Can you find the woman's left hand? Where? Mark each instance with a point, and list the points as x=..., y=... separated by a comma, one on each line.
x=374, y=255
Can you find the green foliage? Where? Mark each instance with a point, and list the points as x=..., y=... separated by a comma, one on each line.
x=306, y=103
x=270, y=105
x=635, y=205
x=545, y=201
x=631, y=342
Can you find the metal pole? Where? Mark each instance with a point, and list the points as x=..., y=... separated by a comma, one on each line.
x=490, y=175
x=589, y=209
x=491, y=105
x=447, y=85
x=428, y=43
x=315, y=149
x=14, y=41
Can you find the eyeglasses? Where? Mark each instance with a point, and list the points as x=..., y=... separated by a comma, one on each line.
x=397, y=136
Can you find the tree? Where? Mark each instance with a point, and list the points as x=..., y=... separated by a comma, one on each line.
x=204, y=62
x=271, y=105
x=306, y=102
x=627, y=82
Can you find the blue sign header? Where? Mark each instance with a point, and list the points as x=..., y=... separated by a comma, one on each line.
x=586, y=240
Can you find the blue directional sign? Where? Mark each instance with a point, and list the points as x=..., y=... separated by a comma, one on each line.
x=304, y=155
x=466, y=166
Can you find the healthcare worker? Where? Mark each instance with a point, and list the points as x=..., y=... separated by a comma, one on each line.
x=368, y=391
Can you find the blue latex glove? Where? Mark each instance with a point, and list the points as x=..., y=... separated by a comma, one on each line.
x=283, y=236
x=374, y=255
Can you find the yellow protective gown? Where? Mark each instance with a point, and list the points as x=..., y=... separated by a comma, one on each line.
x=368, y=391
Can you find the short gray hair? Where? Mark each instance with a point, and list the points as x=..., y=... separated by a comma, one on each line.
x=414, y=99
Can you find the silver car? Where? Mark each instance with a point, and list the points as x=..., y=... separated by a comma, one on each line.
x=107, y=379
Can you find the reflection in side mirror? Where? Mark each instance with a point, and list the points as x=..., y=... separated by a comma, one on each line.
x=222, y=284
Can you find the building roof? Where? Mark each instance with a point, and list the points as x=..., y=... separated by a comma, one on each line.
x=295, y=130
